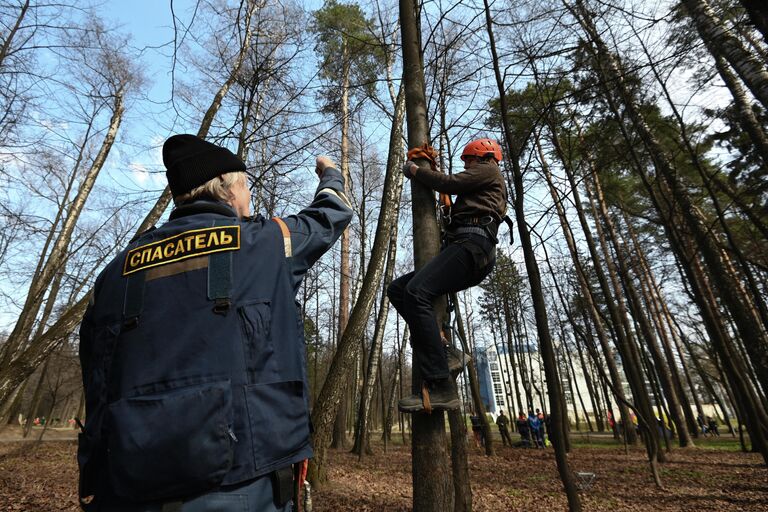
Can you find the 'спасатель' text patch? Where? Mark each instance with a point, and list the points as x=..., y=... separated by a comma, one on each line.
x=182, y=246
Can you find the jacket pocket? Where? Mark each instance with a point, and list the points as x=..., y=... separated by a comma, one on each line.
x=279, y=421
x=256, y=323
x=171, y=444
x=483, y=257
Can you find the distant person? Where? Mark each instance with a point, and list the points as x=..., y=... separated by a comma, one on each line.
x=712, y=426
x=702, y=424
x=524, y=430
x=548, y=427
x=535, y=425
x=542, y=427
x=477, y=430
x=503, y=423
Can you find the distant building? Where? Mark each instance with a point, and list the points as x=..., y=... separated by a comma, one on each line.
x=509, y=381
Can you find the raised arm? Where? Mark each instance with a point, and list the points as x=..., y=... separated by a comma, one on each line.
x=316, y=228
x=465, y=181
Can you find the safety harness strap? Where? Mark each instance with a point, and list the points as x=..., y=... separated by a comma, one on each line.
x=220, y=276
x=511, y=227
x=476, y=230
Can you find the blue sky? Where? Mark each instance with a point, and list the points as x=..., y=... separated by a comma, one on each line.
x=149, y=23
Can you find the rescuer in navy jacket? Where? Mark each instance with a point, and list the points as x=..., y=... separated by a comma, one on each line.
x=192, y=347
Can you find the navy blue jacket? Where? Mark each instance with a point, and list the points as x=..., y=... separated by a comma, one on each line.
x=193, y=352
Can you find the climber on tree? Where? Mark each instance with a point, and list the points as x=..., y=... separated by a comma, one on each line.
x=467, y=256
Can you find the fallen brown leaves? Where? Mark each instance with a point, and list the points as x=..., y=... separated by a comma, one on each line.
x=43, y=477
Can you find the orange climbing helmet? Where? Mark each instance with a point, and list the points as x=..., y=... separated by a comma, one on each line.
x=481, y=148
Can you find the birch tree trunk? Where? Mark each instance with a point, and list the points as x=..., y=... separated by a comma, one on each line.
x=19, y=348
x=361, y=432
x=720, y=41
x=328, y=401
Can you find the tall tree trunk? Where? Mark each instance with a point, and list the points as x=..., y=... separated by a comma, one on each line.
x=557, y=419
x=340, y=424
x=685, y=212
x=721, y=42
x=327, y=404
x=432, y=485
x=586, y=289
x=361, y=432
x=600, y=209
x=655, y=303
x=474, y=382
x=392, y=394
x=14, y=372
x=19, y=349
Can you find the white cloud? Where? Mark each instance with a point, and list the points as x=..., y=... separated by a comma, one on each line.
x=139, y=173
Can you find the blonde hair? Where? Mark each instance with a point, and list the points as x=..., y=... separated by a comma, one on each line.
x=218, y=188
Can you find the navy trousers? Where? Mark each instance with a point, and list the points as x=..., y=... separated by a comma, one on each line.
x=462, y=263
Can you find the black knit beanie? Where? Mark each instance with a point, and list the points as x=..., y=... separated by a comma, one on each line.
x=191, y=161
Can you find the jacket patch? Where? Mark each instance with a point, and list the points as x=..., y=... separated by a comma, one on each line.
x=188, y=244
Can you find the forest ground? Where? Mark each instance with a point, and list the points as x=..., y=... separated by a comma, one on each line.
x=716, y=476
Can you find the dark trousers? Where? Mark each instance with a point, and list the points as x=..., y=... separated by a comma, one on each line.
x=505, y=438
x=462, y=263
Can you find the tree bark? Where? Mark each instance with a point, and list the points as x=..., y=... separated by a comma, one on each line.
x=558, y=421
x=721, y=42
x=758, y=15
x=361, y=432
x=431, y=475
x=327, y=403
x=340, y=424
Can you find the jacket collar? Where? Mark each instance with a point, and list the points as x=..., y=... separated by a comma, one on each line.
x=197, y=206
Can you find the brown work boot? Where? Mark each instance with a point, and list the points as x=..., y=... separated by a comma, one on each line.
x=435, y=395
x=457, y=360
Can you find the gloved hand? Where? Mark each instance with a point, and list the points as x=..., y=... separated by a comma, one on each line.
x=410, y=169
